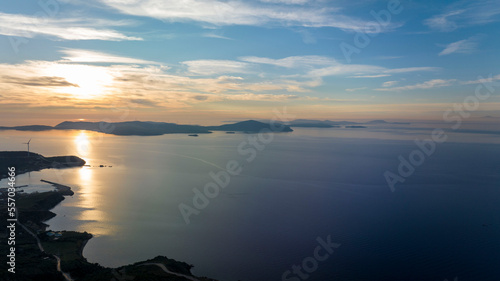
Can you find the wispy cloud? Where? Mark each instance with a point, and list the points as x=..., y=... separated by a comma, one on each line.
x=214, y=35
x=40, y=81
x=462, y=47
x=435, y=83
x=389, y=84
x=79, y=55
x=292, y=62
x=444, y=22
x=65, y=29
x=465, y=13
x=211, y=67
x=346, y=69
x=145, y=102
x=370, y=76
x=490, y=79
x=289, y=2
x=356, y=89
x=76, y=82
x=365, y=71
x=274, y=12
x=412, y=69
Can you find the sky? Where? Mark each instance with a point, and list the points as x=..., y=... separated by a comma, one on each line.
x=208, y=61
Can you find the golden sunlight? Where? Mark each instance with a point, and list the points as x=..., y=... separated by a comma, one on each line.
x=82, y=144
x=85, y=175
x=89, y=198
x=92, y=81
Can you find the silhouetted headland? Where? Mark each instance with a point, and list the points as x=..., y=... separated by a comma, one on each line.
x=28, y=162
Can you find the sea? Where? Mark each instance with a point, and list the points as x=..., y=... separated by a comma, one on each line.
x=386, y=202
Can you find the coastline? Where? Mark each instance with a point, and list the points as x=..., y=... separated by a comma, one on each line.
x=67, y=246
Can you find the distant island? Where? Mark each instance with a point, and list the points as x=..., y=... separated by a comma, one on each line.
x=355, y=127
x=250, y=126
x=147, y=128
x=307, y=123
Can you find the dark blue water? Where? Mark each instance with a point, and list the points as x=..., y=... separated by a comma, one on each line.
x=442, y=222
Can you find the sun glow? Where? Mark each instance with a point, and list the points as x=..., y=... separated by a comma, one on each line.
x=82, y=144
x=88, y=81
x=86, y=175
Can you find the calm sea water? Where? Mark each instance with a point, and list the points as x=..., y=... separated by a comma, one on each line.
x=442, y=222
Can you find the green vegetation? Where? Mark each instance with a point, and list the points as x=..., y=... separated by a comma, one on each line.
x=68, y=247
x=34, y=208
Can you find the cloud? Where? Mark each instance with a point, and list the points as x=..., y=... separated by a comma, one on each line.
x=481, y=80
x=370, y=76
x=211, y=67
x=356, y=89
x=344, y=69
x=411, y=69
x=288, y=2
x=462, y=47
x=364, y=71
x=218, y=36
x=435, y=83
x=444, y=21
x=145, y=102
x=42, y=81
x=74, y=83
x=260, y=97
x=275, y=12
x=79, y=55
x=293, y=61
x=389, y=84
x=465, y=13
x=66, y=29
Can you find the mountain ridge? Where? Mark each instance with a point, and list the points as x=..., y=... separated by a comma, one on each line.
x=150, y=128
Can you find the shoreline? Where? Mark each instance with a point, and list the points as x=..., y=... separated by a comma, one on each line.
x=68, y=246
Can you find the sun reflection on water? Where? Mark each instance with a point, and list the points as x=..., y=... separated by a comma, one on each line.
x=82, y=143
x=89, y=200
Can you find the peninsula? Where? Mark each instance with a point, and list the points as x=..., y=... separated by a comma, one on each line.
x=47, y=255
x=25, y=161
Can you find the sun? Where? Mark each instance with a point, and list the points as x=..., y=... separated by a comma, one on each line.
x=87, y=81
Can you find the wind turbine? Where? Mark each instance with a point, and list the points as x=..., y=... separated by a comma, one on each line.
x=28, y=143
